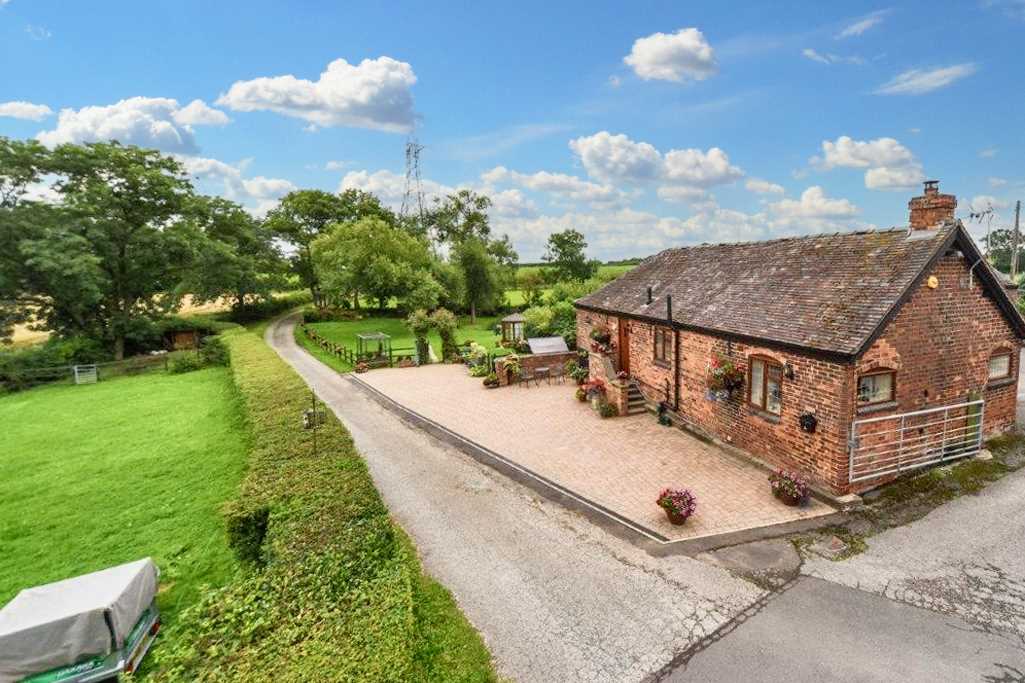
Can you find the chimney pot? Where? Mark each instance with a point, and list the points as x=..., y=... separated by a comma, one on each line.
x=931, y=209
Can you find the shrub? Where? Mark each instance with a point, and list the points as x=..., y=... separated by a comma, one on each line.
x=581, y=395
x=491, y=380
x=269, y=308
x=446, y=323
x=678, y=501
x=789, y=485
x=246, y=527
x=184, y=362
x=329, y=315
x=213, y=352
x=606, y=409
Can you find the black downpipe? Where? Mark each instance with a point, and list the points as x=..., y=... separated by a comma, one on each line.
x=676, y=353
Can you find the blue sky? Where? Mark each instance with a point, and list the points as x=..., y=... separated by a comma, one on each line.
x=647, y=127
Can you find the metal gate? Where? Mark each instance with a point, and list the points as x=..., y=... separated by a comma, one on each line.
x=892, y=444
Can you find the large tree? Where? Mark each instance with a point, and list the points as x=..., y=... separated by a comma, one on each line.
x=99, y=257
x=566, y=253
x=460, y=216
x=481, y=279
x=301, y=217
x=235, y=255
x=372, y=258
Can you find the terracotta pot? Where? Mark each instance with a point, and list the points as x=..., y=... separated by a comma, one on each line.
x=792, y=501
x=675, y=517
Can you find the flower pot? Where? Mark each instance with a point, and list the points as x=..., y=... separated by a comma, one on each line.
x=675, y=517
x=787, y=499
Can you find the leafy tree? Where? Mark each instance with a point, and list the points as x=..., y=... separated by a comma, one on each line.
x=461, y=216
x=446, y=324
x=480, y=273
x=565, y=252
x=358, y=204
x=235, y=254
x=420, y=324
x=1000, y=240
x=21, y=163
x=301, y=217
x=101, y=259
x=531, y=283
x=369, y=257
x=425, y=294
x=452, y=283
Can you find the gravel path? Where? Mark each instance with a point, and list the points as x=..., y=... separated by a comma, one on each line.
x=555, y=597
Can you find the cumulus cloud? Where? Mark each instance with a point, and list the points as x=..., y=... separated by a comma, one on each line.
x=199, y=113
x=988, y=153
x=921, y=81
x=144, y=121
x=19, y=109
x=335, y=165
x=891, y=165
x=678, y=57
x=559, y=185
x=759, y=186
x=982, y=202
x=863, y=24
x=257, y=194
x=811, y=208
x=996, y=182
x=374, y=94
x=683, y=173
x=38, y=32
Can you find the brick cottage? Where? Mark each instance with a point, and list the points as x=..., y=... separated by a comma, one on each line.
x=881, y=349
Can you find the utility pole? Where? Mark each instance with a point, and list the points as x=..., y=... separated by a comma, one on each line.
x=1014, y=242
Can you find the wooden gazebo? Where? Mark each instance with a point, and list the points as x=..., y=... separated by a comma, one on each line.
x=512, y=328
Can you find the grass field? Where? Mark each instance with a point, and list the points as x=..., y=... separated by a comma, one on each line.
x=94, y=476
x=344, y=333
x=603, y=270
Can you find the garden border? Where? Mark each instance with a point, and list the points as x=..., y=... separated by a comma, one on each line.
x=647, y=539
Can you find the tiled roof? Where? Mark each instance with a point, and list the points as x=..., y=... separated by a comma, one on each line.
x=823, y=292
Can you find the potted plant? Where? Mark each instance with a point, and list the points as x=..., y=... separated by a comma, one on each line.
x=679, y=504
x=723, y=378
x=606, y=410
x=789, y=487
x=362, y=366
x=581, y=394
x=513, y=368
x=491, y=381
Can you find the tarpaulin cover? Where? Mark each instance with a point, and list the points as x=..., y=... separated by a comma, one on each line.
x=62, y=623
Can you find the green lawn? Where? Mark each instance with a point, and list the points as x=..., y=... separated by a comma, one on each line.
x=344, y=333
x=94, y=476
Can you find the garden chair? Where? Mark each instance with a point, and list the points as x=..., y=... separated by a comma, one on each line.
x=526, y=376
x=557, y=374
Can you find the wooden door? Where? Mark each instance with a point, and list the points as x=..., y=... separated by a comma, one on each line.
x=624, y=345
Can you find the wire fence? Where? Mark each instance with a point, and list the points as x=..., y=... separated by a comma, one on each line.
x=26, y=378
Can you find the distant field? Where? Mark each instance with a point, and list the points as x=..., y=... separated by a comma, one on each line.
x=602, y=270
x=94, y=476
x=344, y=333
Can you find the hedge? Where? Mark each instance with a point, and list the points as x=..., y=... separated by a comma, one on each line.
x=334, y=592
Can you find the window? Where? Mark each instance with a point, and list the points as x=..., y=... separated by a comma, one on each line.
x=877, y=387
x=765, y=385
x=1000, y=365
x=663, y=345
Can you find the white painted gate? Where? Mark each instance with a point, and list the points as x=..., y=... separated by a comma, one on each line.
x=892, y=444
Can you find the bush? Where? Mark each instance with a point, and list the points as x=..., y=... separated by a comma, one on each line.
x=246, y=527
x=446, y=323
x=606, y=409
x=213, y=352
x=313, y=314
x=184, y=362
x=269, y=308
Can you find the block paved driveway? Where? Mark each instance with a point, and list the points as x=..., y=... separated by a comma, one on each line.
x=620, y=463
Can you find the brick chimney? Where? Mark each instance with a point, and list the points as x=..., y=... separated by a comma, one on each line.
x=932, y=208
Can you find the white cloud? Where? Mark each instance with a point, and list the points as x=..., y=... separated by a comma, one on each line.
x=996, y=182
x=38, y=32
x=678, y=57
x=156, y=122
x=891, y=165
x=981, y=202
x=257, y=194
x=863, y=24
x=390, y=187
x=617, y=157
x=374, y=94
x=199, y=113
x=681, y=194
x=27, y=111
x=759, y=186
x=336, y=165
x=813, y=204
x=921, y=81
x=988, y=153
x=558, y=184
x=828, y=58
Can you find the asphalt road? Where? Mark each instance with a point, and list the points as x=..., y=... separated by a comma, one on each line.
x=557, y=598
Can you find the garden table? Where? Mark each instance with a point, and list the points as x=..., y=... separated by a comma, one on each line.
x=545, y=372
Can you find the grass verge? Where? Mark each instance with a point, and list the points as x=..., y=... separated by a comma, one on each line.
x=339, y=594
x=94, y=476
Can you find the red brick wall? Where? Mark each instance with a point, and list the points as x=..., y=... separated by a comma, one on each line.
x=940, y=343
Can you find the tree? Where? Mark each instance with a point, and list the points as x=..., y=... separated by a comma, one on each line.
x=358, y=204
x=461, y=216
x=481, y=280
x=235, y=255
x=565, y=252
x=531, y=283
x=301, y=217
x=1000, y=240
x=101, y=259
x=369, y=257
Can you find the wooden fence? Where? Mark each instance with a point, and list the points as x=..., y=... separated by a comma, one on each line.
x=340, y=351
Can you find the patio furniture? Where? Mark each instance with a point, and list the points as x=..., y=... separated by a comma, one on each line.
x=557, y=373
x=543, y=371
x=526, y=376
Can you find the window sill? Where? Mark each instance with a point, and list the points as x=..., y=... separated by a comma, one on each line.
x=877, y=407
x=771, y=418
x=998, y=383
x=664, y=364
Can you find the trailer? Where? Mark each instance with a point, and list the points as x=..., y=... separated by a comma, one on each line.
x=88, y=628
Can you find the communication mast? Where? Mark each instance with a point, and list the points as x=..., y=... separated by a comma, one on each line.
x=413, y=199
